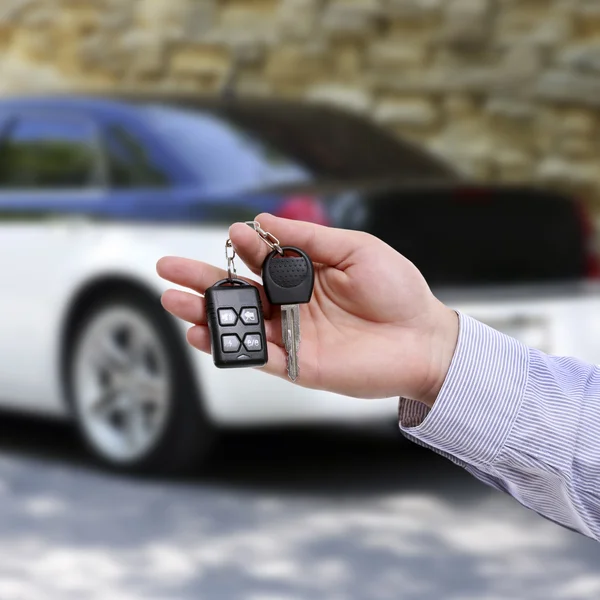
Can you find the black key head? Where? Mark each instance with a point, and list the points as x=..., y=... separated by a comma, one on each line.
x=288, y=279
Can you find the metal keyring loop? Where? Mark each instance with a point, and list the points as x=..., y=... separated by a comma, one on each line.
x=230, y=256
x=268, y=238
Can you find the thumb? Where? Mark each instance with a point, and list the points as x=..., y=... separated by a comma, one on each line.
x=326, y=245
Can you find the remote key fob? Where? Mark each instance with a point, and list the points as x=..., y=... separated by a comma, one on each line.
x=236, y=325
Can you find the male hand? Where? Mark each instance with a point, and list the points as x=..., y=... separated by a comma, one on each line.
x=372, y=329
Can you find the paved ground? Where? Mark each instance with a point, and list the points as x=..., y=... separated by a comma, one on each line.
x=281, y=515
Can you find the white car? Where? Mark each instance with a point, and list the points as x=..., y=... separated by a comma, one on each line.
x=94, y=191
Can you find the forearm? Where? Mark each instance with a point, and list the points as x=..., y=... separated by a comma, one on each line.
x=527, y=423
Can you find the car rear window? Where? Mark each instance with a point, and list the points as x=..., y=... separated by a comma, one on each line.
x=224, y=156
x=334, y=144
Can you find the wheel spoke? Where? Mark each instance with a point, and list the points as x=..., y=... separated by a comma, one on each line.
x=105, y=404
x=136, y=428
x=151, y=388
x=137, y=348
x=111, y=355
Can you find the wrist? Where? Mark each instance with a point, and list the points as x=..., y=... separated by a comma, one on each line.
x=443, y=340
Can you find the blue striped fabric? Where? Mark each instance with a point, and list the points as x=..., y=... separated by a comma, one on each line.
x=521, y=421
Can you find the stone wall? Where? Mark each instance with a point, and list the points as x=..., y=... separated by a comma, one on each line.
x=507, y=90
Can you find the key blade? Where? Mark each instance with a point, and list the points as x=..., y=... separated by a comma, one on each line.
x=290, y=328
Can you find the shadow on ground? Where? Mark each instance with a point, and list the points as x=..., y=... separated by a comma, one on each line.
x=284, y=514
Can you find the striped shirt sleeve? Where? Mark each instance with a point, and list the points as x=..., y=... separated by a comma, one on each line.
x=522, y=421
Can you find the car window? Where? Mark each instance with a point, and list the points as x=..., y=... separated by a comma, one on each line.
x=48, y=152
x=128, y=162
x=337, y=145
x=224, y=156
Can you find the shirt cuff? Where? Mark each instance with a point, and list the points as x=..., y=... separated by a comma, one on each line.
x=479, y=400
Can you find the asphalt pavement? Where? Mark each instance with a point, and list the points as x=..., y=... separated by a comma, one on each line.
x=286, y=515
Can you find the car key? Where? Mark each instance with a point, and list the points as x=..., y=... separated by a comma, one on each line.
x=235, y=320
x=289, y=282
x=236, y=324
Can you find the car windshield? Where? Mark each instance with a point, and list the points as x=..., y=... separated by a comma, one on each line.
x=223, y=155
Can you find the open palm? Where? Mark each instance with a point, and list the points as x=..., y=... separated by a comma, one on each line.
x=372, y=329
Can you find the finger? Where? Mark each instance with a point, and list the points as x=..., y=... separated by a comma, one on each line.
x=249, y=247
x=185, y=306
x=326, y=245
x=199, y=276
x=199, y=337
x=189, y=273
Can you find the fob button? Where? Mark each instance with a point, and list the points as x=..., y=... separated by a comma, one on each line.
x=227, y=316
x=230, y=343
x=253, y=342
x=249, y=316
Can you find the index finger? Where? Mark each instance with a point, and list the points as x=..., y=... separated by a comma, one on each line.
x=197, y=275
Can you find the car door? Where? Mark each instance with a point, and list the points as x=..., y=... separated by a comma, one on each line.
x=50, y=176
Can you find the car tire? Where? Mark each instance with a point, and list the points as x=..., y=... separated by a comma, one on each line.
x=131, y=389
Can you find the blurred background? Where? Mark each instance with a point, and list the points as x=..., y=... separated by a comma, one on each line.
x=505, y=90
x=465, y=133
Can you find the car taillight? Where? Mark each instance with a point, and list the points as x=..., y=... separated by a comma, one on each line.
x=303, y=208
x=592, y=260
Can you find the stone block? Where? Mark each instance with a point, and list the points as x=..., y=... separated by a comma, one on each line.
x=242, y=14
x=32, y=45
x=199, y=60
x=38, y=16
x=556, y=170
x=585, y=9
x=145, y=52
x=347, y=60
x=98, y=51
x=351, y=98
x=117, y=17
x=511, y=109
x=474, y=80
x=413, y=113
x=200, y=17
x=13, y=10
x=522, y=62
x=519, y=20
x=551, y=32
x=578, y=148
x=157, y=14
x=578, y=122
x=459, y=106
x=583, y=57
x=566, y=87
x=470, y=153
x=467, y=23
x=297, y=19
x=292, y=63
x=257, y=37
x=513, y=166
x=252, y=87
x=346, y=18
x=20, y=75
x=392, y=54
x=413, y=10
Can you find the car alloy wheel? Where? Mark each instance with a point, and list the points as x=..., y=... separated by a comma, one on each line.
x=121, y=384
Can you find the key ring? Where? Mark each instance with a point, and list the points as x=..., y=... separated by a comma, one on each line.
x=268, y=238
x=231, y=272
